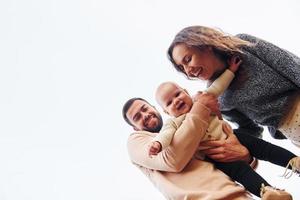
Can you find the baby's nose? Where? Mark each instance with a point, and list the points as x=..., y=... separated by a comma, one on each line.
x=177, y=101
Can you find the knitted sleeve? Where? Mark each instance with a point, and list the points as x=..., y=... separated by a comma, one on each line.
x=284, y=62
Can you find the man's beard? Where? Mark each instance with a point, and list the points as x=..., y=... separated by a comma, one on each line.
x=157, y=128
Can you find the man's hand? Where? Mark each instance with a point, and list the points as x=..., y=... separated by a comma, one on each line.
x=208, y=100
x=227, y=150
x=154, y=148
x=219, y=115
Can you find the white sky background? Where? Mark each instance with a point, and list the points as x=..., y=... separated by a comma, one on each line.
x=67, y=67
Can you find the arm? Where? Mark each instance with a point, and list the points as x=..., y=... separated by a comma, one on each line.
x=167, y=132
x=244, y=124
x=221, y=83
x=247, y=126
x=163, y=139
x=185, y=142
x=219, y=86
x=283, y=61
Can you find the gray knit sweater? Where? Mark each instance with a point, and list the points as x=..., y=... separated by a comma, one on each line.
x=270, y=75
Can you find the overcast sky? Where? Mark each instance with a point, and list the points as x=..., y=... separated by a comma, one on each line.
x=67, y=67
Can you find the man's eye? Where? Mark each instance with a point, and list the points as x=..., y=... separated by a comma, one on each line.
x=177, y=94
x=137, y=117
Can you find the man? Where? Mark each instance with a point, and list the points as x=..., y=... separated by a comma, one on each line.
x=174, y=171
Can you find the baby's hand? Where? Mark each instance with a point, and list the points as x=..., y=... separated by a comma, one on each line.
x=234, y=63
x=154, y=148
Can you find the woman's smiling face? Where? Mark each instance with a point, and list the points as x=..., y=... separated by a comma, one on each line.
x=197, y=63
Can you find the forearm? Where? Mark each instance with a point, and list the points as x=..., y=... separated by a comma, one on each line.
x=141, y=157
x=185, y=142
x=244, y=124
x=165, y=136
x=188, y=136
x=221, y=83
x=168, y=130
x=200, y=110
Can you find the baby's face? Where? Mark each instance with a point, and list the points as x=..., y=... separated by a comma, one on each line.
x=173, y=99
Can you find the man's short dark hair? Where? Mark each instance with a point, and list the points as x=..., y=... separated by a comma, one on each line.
x=127, y=106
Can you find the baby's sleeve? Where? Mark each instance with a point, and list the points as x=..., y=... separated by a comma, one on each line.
x=221, y=83
x=168, y=130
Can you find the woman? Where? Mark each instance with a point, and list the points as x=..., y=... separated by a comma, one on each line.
x=266, y=87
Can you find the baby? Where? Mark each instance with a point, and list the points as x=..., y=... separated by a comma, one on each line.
x=176, y=102
x=178, y=108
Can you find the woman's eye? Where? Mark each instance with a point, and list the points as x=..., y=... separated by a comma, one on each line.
x=177, y=94
x=181, y=68
x=187, y=59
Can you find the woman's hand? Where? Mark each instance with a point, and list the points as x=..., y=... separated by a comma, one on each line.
x=227, y=150
x=234, y=63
